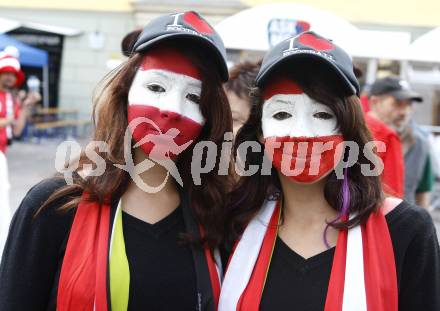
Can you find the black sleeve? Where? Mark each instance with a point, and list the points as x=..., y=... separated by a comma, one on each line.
x=32, y=251
x=420, y=283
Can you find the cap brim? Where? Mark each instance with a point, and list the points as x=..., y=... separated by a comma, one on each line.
x=263, y=75
x=407, y=95
x=221, y=63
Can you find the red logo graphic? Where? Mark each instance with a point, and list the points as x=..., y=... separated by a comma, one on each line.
x=317, y=44
x=197, y=23
x=302, y=26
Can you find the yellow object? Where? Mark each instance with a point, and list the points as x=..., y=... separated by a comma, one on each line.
x=119, y=268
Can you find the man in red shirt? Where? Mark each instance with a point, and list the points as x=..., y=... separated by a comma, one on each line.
x=392, y=101
x=392, y=158
x=393, y=164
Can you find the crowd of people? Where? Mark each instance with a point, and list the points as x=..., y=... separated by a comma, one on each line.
x=278, y=239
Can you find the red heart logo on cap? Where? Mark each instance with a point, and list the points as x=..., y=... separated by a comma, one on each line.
x=302, y=26
x=197, y=23
x=316, y=43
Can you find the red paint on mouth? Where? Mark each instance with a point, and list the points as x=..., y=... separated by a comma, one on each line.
x=166, y=134
x=306, y=153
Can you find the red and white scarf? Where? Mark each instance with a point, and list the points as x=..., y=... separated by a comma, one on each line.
x=363, y=276
x=85, y=281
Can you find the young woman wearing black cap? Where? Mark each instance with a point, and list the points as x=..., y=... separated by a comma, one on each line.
x=317, y=232
x=107, y=242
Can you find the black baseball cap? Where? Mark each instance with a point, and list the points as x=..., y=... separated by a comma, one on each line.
x=186, y=25
x=395, y=87
x=309, y=46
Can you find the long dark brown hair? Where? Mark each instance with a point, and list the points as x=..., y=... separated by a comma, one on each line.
x=251, y=191
x=110, y=122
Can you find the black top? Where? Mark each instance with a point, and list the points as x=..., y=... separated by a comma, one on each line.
x=164, y=277
x=295, y=283
x=162, y=273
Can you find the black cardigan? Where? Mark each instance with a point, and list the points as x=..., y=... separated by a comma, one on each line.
x=34, y=252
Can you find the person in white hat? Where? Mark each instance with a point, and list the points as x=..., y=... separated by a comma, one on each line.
x=13, y=116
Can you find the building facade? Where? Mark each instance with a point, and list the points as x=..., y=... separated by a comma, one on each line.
x=90, y=47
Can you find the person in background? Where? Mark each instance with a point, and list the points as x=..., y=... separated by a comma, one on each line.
x=13, y=115
x=393, y=174
x=391, y=101
x=392, y=157
x=241, y=81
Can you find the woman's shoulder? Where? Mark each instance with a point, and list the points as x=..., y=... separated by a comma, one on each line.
x=45, y=188
x=41, y=232
x=409, y=221
x=405, y=211
x=36, y=240
x=417, y=255
x=30, y=207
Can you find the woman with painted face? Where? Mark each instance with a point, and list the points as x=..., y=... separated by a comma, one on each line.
x=312, y=228
x=138, y=235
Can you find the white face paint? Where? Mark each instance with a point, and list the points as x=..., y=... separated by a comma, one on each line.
x=297, y=115
x=168, y=91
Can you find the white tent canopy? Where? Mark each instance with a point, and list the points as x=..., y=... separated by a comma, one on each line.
x=380, y=44
x=426, y=48
x=261, y=27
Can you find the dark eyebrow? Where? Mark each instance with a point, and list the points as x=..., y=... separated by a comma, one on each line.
x=195, y=85
x=163, y=75
x=156, y=71
x=283, y=101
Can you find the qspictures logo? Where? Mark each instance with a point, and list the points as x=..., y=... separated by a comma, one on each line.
x=296, y=159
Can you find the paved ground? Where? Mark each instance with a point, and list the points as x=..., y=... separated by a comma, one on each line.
x=30, y=162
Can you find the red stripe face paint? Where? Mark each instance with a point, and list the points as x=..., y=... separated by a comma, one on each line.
x=166, y=90
x=301, y=135
x=280, y=85
x=171, y=60
x=305, y=159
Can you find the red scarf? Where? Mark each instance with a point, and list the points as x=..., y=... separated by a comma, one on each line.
x=84, y=279
x=369, y=249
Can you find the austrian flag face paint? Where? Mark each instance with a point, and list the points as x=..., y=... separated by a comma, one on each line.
x=301, y=135
x=166, y=90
